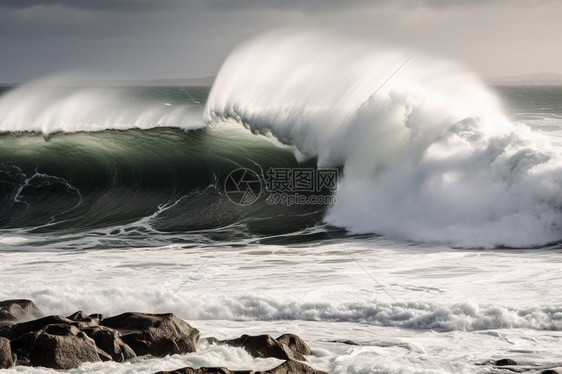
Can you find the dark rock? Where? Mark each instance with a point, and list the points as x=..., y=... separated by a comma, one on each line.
x=23, y=328
x=505, y=362
x=6, y=356
x=295, y=343
x=154, y=334
x=206, y=370
x=549, y=371
x=213, y=340
x=110, y=341
x=292, y=367
x=78, y=316
x=286, y=347
x=86, y=320
x=262, y=346
x=288, y=367
x=21, y=347
x=103, y=355
x=13, y=311
x=67, y=342
x=62, y=347
x=344, y=341
x=97, y=316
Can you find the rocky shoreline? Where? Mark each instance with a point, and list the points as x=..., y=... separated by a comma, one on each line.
x=29, y=338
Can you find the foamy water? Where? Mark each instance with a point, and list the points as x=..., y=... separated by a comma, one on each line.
x=415, y=309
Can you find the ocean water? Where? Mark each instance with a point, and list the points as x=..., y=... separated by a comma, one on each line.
x=437, y=250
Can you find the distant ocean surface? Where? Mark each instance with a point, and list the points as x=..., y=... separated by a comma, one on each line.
x=437, y=247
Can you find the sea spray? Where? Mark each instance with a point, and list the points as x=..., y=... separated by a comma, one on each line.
x=428, y=155
x=55, y=105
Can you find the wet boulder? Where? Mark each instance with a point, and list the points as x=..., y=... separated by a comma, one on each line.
x=295, y=344
x=20, y=329
x=292, y=367
x=7, y=358
x=286, y=347
x=288, y=367
x=505, y=362
x=62, y=347
x=20, y=310
x=111, y=342
x=82, y=319
x=154, y=334
x=206, y=370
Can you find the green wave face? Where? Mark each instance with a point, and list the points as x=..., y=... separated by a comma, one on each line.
x=169, y=178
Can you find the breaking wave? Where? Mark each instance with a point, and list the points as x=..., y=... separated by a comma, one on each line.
x=427, y=152
x=53, y=106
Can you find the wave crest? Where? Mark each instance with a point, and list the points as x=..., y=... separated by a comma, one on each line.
x=428, y=153
x=48, y=107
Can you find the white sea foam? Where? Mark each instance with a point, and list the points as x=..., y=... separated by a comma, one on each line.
x=491, y=304
x=8, y=240
x=194, y=306
x=428, y=154
x=431, y=292
x=454, y=310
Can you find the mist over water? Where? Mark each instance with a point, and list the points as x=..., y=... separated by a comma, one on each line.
x=52, y=106
x=428, y=153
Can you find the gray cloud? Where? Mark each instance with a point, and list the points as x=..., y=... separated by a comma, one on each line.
x=94, y=5
x=304, y=6
x=192, y=37
x=321, y=6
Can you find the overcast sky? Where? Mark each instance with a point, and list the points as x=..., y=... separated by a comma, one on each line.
x=142, y=39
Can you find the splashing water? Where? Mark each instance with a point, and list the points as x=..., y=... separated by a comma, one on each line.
x=428, y=155
x=54, y=105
